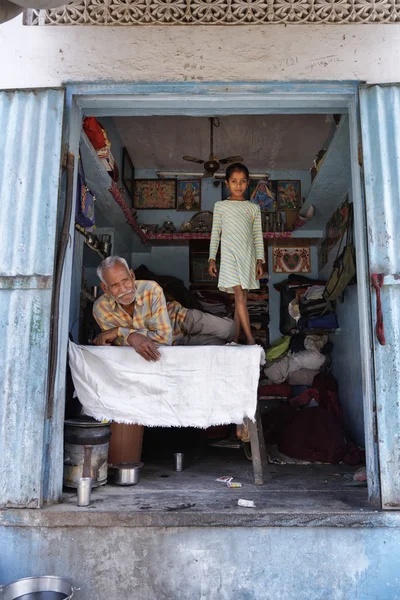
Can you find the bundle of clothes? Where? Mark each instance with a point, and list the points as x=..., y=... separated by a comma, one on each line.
x=297, y=359
x=258, y=307
x=222, y=305
x=306, y=424
x=303, y=305
x=212, y=301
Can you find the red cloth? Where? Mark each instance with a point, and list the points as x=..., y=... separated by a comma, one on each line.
x=282, y=390
x=316, y=435
x=95, y=132
x=377, y=280
x=311, y=434
x=325, y=392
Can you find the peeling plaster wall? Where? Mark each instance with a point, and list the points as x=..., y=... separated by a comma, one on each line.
x=49, y=56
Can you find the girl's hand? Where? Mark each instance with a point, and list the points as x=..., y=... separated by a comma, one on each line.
x=259, y=269
x=212, y=268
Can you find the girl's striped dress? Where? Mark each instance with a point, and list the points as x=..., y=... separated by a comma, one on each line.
x=237, y=223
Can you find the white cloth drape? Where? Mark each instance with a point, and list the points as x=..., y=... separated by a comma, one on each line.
x=190, y=386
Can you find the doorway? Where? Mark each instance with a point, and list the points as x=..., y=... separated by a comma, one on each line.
x=238, y=104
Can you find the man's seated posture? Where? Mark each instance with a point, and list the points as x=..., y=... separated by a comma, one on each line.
x=135, y=313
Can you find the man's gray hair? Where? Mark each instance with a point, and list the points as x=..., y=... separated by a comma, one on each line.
x=109, y=262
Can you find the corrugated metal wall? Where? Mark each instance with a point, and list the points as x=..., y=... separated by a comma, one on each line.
x=380, y=124
x=31, y=130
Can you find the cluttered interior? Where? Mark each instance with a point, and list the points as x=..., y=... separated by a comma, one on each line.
x=152, y=191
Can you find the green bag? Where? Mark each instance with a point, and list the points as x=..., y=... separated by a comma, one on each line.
x=344, y=267
x=277, y=348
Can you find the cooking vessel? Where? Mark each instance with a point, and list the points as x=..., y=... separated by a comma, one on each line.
x=86, y=430
x=38, y=588
x=127, y=473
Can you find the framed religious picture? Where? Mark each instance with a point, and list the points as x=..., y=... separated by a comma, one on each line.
x=154, y=193
x=263, y=193
x=128, y=174
x=291, y=260
x=289, y=194
x=188, y=194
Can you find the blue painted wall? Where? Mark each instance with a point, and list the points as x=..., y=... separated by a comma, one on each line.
x=210, y=563
x=123, y=240
x=346, y=357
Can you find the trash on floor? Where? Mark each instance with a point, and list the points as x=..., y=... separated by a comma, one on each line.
x=233, y=484
x=246, y=503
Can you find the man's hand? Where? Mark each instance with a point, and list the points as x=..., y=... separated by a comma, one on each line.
x=259, y=269
x=212, y=268
x=144, y=346
x=106, y=338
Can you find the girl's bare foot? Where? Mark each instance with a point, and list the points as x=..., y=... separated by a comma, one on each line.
x=236, y=340
x=251, y=342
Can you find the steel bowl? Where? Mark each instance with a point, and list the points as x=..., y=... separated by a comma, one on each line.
x=127, y=473
x=36, y=588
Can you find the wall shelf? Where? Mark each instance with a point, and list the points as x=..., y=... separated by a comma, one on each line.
x=99, y=182
x=179, y=237
x=87, y=243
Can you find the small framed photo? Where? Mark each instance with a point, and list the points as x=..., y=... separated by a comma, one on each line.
x=188, y=194
x=154, y=193
x=289, y=194
x=128, y=174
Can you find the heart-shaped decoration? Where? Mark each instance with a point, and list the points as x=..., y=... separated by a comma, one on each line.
x=291, y=260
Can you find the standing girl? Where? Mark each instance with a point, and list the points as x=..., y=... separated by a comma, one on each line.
x=237, y=223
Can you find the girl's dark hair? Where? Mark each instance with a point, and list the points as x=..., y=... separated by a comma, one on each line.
x=236, y=167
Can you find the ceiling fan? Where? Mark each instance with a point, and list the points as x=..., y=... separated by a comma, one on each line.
x=211, y=165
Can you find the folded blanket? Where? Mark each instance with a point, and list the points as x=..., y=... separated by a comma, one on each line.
x=190, y=386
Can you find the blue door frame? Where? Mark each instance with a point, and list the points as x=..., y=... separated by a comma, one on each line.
x=205, y=99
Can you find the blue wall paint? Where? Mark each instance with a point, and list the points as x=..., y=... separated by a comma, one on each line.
x=346, y=366
x=123, y=238
x=31, y=131
x=307, y=563
x=346, y=362
x=381, y=142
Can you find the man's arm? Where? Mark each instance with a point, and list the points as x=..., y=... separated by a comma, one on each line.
x=111, y=332
x=159, y=325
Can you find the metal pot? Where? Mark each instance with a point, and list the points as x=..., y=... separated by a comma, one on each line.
x=86, y=430
x=127, y=473
x=78, y=433
x=38, y=588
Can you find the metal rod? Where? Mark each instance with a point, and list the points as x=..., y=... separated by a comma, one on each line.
x=211, y=138
x=169, y=174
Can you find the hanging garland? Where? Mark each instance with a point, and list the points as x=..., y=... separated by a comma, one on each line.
x=118, y=195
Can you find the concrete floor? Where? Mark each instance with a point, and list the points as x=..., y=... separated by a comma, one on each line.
x=292, y=494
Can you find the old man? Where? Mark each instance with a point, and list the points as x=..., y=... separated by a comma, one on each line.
x=135, y=313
